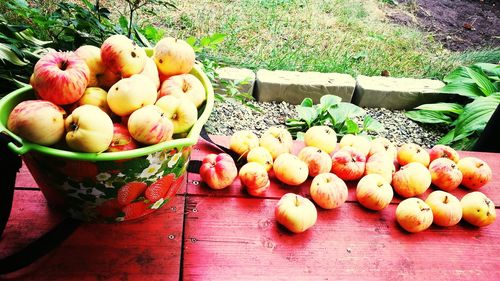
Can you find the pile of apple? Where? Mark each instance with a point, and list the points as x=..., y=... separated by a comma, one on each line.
x=111, y=98
x=378, y=165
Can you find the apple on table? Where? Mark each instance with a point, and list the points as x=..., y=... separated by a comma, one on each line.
x=414, y=215
x=255, y=178
x=322, y=137
x=289, y=169
x=218, y=171
x=276, y=140
x=348, y=163
x=328, y=191
x=295, y=212
x=316, y=159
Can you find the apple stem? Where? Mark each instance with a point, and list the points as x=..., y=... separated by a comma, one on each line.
x=487, y=201
x=64, y=65
x=73, y=127
x=297, y=200
x=445, y=199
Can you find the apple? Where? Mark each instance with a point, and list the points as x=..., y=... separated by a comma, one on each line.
x=123, y=56
x=262, y=156
x=181, y=111
x=184, y=85
x=130, y=94
x=381, y=163
x=255, y=178
x=95, y=96
x=328, y=191
x=277, y=140
x=410, y=152
x=295, y=212
x=173, y=56
x=218, y=171
x=316, y=159
x=149, y=125
x=322, y=137
x=60, y=77
x=477, y=209
x=290, y=170
x=411, y=180
x=122, y=140
x=243, y=141
x=446, y=208
x=89, y=129
x=151, y=72
x=38, y=121
x=414, y=215
x=374, y=192
x=348, y=163
x=359, y=143
x=476, y=172
x=99, y=76
x=443, y=151
x=381, y=144
x=445, y=174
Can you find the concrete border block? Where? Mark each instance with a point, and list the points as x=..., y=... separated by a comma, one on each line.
x=237, y=75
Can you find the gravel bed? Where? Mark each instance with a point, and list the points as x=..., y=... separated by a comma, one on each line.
x=231, y=116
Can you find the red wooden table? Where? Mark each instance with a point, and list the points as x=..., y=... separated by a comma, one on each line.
x=228, y=235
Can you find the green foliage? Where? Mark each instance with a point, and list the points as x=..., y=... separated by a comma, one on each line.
x=480, y=84
x=331, y=111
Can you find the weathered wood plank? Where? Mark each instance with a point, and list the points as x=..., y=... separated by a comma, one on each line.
x=238, y=239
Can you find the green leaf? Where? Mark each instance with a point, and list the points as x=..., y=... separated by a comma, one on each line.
x=482, y=82
x=328, y=101
x=191, y=40
x=7, y=54
x=371, y=124
x=123, y=22
x=489, y=68
x=475, y=116
x=427, y=116
x=351, y=110
x=307, y=114
x=448, y=138
x=443, y=107
x=352, y=127
x=300, y=136
x=337, y=115
x=458, y=75
x=217, y=38
x=142, y=38
x=307, y=102
x=470, y=90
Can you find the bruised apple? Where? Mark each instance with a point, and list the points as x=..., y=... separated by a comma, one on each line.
x=443, y=151
x=410, y=152
x=446, y=208
x=255, y=178
x=317, y=160
x=348, y=164
x=374, y=192
x=295, y=212
x=243, y=141
x=478, y=209
x=218, y=171
x=322, y=137
x=290, y=170
x=277, y=140
x=476, y=172
x=262, y=156
x=445, y=174
x=328, y=191
x=414, y=215
x=88, y=129
x=411, y=180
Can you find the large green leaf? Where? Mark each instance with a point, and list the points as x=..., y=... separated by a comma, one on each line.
x=448, y=138
x=371, y=124
x=443, y=107
x=428, y=116
x=7, y=54
x=470, y=90
x=307, y=102
x=328, y=101
x=482, y=82
x=351, y=127
x=458, y=75
x=489, y=68
x=475, y=116
x=308, y=114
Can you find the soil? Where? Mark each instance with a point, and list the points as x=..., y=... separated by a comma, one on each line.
x=459, y=24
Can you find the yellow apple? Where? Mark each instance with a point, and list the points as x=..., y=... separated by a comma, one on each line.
x=290, y=170
x=151, y=72
x=414, y=215
x=92, y=57
x=149, y=125
x=173, y=56
x=89, y=129
x=295, y=212
x=478, y=209
x=446, y=208
x=182, y=112
x=255, y=178
x=380, y=144
x=374, y=192
x=262, y=156
x=243, y=141
x=95, y=96
x=411, y=180
x=317, y=160
x=380, y=163
x=130, y=94
x=445, y=174
x=322, y=137
x=359, y=143
x=184, y=85
x=328, y=191
x=476, y=172
x=277, y=140
x=410, y=152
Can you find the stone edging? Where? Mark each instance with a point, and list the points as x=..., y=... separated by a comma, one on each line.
x=364, y=91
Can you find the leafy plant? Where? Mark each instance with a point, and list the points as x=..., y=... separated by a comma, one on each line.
x=331, y=111
x=480, y=84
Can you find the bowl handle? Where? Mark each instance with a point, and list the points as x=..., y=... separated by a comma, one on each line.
x=14, y=143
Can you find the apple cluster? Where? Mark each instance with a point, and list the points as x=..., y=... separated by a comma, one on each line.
x=379, y=167
x=111, y=98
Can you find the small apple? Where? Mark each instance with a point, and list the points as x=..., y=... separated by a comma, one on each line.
x=328, y=191
x=277, y=140
x=477, y=209
x=348, y=163
x=322, y=137
x=255, y=178
x=60, y=77
x=123, y=56
x=290, y=170
x=243, y=141
x=381, y=163
x=382, y=144
x=173, y=56
x=317, y=160
x=262, y=156
x=414, y=215
x=357, y=142
x=410, y=152
x=443, y=151
x=476, y=172
x=130, y=94
x=374, y=192
x=149, y=125
x=446, y=208
x=295, y=212
x=89, y=129
x=38, y=121
x=151, y=72
x=184, y=85
x=181, y=111
x=95, y=96
x=218, y=171
x=122, y=140
x=411, y=180
x=445, y=174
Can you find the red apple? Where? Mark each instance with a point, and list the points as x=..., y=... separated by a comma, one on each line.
x=123, y=56
x=122, y=140
x=255, y=178
x=476, y=173
x=149, y=125
x=443, y=151
x=328, y=191
x=316, y=159
x=184, y=85
x=348, y=163
x=60, y=77
x=445, y=174
x=218, y=171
